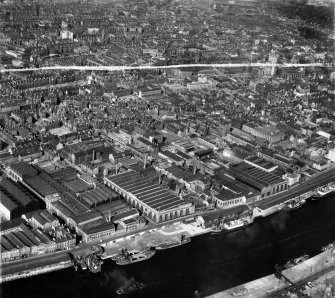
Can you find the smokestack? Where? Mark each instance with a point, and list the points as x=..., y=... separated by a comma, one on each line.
x=145, y=160
x=178, y=190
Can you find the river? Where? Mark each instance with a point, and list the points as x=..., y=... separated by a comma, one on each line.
x=210, y=263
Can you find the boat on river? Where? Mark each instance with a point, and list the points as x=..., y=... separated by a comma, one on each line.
x=130, y=287
x=130, y=258
x=232, y=225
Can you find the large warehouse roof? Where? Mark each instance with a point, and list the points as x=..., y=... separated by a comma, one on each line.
x=8, y=202
x=18, y=192
x=255, y=176
x=24, y=169
x=149, y=193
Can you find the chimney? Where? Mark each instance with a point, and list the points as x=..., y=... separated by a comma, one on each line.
x=145, y=160
x=178, y=190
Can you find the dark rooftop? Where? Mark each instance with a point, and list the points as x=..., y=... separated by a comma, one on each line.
x=149, y=193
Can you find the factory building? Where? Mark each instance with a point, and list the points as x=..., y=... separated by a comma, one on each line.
x=103, y=231
x=83, y=152
x=42, y=219
x=225, y=198
x=98, y=196
x=15, y=200
x=268, y=133
x=265, y=183
x=152, y=200
x=260, y=163
x=20, y=171
x=128, y=225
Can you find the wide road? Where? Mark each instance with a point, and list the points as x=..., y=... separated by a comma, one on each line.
x=310, y=184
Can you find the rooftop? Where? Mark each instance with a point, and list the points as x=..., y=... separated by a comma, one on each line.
x=254, y=176
x=149, y=193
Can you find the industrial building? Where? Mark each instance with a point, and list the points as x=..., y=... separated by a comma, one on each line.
x=225, y=198
x=128, y=225
x=98, y=196
x=103, y=231
x=274, y=157
x=260, y=163
x=84, y=151
x=268, y=133
x=92, y=226
x=42, y=219
x=20, y=171
x=262, y=181
x=15, y=200
x=152, y=200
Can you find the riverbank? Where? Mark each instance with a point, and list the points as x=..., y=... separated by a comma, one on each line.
x=268, y=208
x=209, y=263
x=152, y=238
x=137, y=240
x=298, y=275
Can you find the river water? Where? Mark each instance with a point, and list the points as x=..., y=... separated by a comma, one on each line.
x=209, y=263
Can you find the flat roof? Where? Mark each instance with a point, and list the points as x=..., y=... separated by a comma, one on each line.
x=130, y=221
x=149, y=193
x=60, y=131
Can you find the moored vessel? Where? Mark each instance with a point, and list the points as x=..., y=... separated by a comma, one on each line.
x=130, y=258
x=94, y=263
x=327, y=247
x=324, y=190
x=124, y=252
x=80, y=262
x=301, y=259
x=295, y=203
x=232, y=225
x=289, y=264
